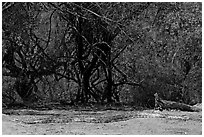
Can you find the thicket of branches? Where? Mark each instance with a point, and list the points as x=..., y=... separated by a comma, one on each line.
x=102, y=52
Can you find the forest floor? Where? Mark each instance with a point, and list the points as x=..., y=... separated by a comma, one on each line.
x=100, y=122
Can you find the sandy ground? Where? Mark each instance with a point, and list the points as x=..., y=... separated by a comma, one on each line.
x=147, y=122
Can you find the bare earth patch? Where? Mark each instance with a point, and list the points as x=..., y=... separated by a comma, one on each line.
x=106, y=122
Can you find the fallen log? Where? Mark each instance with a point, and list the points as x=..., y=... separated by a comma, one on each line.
x=165, y=104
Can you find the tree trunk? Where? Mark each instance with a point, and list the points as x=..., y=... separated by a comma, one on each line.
x=164, y=104
x=109, y=88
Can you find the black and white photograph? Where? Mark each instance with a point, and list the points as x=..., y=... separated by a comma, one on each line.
x=101, y=68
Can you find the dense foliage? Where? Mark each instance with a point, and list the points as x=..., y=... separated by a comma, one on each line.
x=102, y=52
